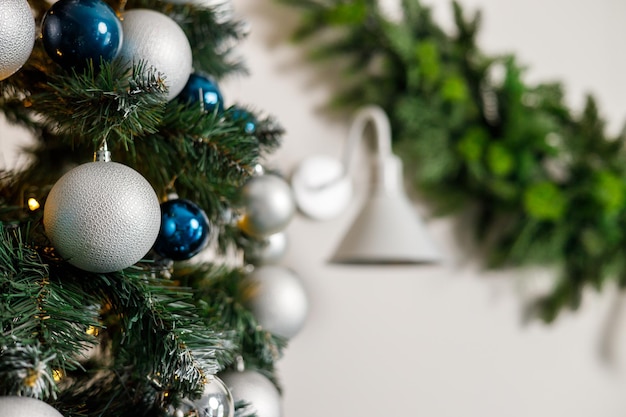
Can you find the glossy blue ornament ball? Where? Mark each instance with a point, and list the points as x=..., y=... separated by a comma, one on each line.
x=204, y=90
x=74, y=31
x=184, y=230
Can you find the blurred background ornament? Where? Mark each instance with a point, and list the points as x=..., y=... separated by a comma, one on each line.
x=102, y=216
x=75, y=31
x=256, y=390
x=204, y=90
x=270, y=251
x=17, y=35
x=158, y=41
x=26, y=407
x=184, y=232
x=267, y=205
x=321, y=188
x=278, y=300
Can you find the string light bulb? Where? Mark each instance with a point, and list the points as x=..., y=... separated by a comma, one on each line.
x=57, y=375
x=33, y=204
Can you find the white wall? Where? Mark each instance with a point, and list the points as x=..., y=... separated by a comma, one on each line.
x=448, y=340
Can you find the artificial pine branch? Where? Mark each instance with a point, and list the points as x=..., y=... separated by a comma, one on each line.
x=223, y=293
x=104, y=105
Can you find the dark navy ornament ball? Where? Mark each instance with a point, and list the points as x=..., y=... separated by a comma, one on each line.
x=74, y=31
x=184, y=230
x=203, y=89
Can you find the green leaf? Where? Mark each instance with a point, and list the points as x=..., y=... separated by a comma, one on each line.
x=609, y=192
x=500, y=160
x=472, y=144
x=347, y=13
x=454, y=89
x=545, y=201
x=428, y=60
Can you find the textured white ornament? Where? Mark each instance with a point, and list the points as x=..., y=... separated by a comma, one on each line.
x=17, y=35
x=157, y=40
x=26, y=407
x=256, y=390
x=102, y=216
x=268, y=205
x=279, y=301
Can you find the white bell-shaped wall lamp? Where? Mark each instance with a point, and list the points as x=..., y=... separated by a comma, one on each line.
x=387, y=230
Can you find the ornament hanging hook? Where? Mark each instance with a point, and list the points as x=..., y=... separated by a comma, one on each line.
x=102, y=154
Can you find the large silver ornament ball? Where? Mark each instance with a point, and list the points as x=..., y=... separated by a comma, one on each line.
x=102, y=216
x=278, y=300
x=268, y=205
x=26, y=407
x=159, y=42
x=216, y=400
x=256, y=390
x=17, y=35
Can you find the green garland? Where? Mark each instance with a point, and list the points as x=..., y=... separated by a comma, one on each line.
x=545, y=185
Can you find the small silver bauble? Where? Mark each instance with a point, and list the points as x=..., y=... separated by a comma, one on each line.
x=102, y=216
x=159, y=42
x=17, y=35
x=256, y=390
x=268, y=205
x=270, y=251
x=279, y=301
x=216, y=400
x=26, y=407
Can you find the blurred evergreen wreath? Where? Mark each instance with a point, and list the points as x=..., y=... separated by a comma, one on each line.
x=548, y=185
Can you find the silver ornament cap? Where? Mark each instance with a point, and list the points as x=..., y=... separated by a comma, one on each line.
x=17, y=35
x=256, y=390
x=278, y=300
x=268, y=205
x=102, y=216
x=26, y=407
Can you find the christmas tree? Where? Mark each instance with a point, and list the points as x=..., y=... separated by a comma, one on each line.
x=134, y=242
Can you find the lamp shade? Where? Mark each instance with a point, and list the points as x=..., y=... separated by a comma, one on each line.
x=387, y=230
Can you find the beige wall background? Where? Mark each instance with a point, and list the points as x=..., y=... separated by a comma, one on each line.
x=446, y=340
